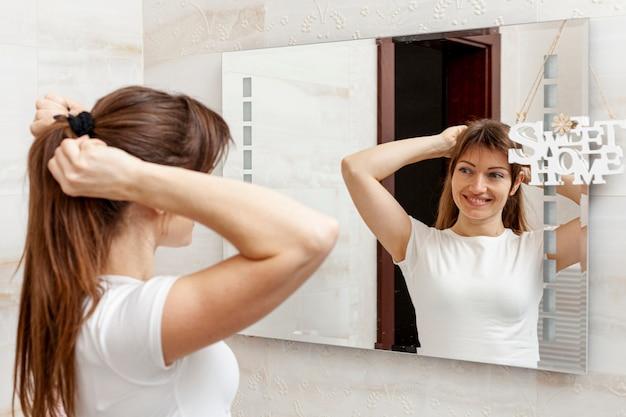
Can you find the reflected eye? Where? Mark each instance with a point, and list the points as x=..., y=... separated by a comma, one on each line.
x=465, y=170
x=497, y=175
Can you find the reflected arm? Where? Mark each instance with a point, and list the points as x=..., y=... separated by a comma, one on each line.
x=571, y=245
x=362, y=173
x=570, y=190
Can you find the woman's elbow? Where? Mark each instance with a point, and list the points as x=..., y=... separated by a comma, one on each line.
x=346, y=165
x=321, y=237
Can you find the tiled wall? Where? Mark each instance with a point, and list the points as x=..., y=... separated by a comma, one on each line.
x=79, y=49
x=182, y=42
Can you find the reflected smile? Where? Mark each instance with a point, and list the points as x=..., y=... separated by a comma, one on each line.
x=476, y=201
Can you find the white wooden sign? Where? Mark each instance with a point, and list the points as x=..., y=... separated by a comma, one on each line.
x=587, y=152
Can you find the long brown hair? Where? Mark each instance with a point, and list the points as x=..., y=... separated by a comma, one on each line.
x=69, y=238
x=492, y=135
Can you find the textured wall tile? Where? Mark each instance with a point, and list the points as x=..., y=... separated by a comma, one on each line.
x=174, y=29
x=607, y=281
x=197, y=75
x=85, y=75
x=607, y=86
x=12, y=226
x=112, y=26
x=553, y=10
x=80, y=49
x=18, y=22
x=8, y=323
x=18, y=86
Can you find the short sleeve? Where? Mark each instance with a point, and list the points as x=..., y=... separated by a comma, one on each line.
x=128, y=328
x=419, y=232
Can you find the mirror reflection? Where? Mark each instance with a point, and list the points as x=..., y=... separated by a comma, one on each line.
x=488, y=269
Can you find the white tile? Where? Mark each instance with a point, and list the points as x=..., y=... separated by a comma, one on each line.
x=18, y=86
x=8, y=326
x=606, y=238
x=18, y=22
x=199, y=76
x=609, y=64
x=13, y=219
x=85, y=75
x=607, y=285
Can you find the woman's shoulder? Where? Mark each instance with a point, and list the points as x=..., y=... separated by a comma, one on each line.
x=529, y=238
x=120, y=290
x=535, y=234
x=421, y=227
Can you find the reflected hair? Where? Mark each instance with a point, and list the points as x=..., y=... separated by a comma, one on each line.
x=492, y=135
x=69, y=238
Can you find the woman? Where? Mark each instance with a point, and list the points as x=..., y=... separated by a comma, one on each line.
x=98, y=335
x=475, y=278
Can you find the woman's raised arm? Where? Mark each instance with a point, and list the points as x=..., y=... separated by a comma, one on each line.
x=280, y=241
x=363, y=171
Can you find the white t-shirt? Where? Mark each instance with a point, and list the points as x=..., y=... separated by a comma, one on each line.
x=476, y=298
x=120, y=366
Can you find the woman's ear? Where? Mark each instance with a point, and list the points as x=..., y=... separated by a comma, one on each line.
x=518, y=182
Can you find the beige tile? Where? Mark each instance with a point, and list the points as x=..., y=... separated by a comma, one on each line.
x=114, y=27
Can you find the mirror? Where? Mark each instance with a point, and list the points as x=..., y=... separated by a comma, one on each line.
x=296, y=112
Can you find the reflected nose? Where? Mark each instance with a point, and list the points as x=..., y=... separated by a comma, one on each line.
x=478, y=184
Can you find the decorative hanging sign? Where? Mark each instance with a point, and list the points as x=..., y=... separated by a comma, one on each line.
x=572, y=147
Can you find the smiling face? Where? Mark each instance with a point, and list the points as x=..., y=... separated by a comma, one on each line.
x=481, y=183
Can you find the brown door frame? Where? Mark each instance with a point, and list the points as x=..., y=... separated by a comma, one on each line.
x=386, y=127
x=490, y=41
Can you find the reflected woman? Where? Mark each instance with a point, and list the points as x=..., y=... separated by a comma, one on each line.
x=475, y=277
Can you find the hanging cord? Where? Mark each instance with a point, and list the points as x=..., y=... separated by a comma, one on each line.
x=521, y=115
x=605, y=102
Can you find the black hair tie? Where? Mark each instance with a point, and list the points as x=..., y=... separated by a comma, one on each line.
x=81, y=124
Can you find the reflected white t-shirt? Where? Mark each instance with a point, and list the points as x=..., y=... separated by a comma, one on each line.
x=120, y=366
x=476, y=298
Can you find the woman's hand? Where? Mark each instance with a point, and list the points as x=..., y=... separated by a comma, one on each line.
x=89, y=168
x=48, y=107
x=448, y=139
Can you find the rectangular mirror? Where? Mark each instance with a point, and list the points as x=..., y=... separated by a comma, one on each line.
x=295, y=112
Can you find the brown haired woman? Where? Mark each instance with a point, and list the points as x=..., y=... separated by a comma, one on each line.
x=98, y=334
x=475, y=278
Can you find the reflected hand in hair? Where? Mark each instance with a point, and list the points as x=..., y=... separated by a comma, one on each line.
x=448, y=138
x=89, y=168
x=48, y=107
x=525, y=174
